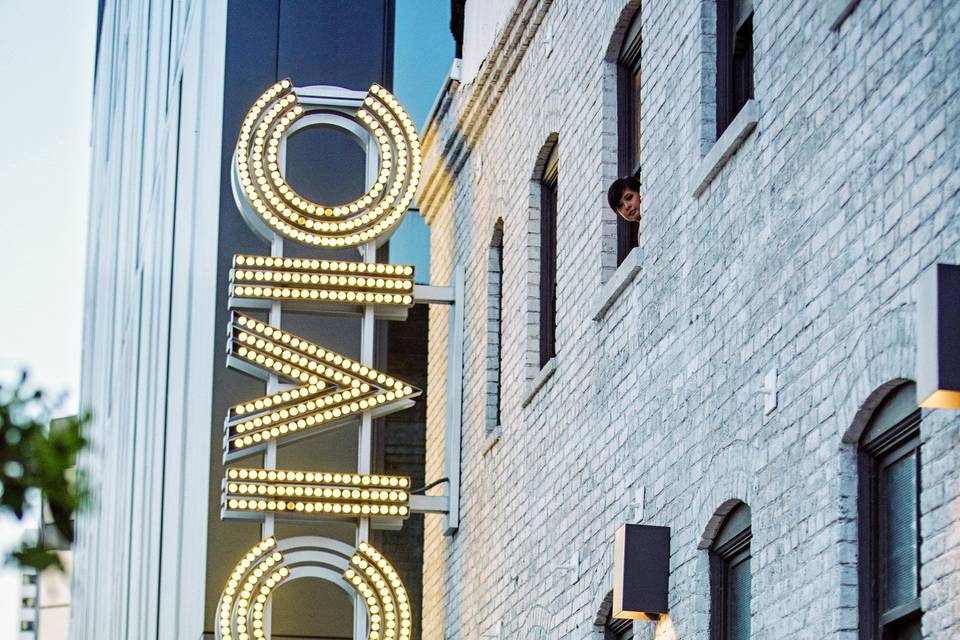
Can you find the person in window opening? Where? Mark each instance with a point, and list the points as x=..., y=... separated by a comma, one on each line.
x=624, y=198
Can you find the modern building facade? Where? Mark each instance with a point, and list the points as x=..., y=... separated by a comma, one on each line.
x=742, y=371
x=174, y=82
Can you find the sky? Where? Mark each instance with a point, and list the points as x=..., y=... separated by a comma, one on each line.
x=417, y=79
x=47, y=72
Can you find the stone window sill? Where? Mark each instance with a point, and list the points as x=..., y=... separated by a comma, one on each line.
x=493, y=437
x=545, y=374
x=610, y=292
x=724, y=148
x=837, y=11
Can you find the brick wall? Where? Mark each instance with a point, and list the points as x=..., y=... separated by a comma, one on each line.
x=801, y=254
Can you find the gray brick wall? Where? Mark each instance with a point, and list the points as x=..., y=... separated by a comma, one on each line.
x=802, y=254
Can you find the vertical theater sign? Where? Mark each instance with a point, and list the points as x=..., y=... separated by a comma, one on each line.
x=311, y=389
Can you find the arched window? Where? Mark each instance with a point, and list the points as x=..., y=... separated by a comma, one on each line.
x=494, y=326
x=628, y=126
x=888, y=506
x=613, y=628
x=617, y=629
x=730, y=577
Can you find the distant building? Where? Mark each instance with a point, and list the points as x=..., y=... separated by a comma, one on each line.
x=742, y=371
x=28, y=604
x=45, y=596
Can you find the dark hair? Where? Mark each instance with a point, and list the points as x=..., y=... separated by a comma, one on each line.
x=615, y=192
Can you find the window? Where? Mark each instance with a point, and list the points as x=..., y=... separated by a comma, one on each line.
x=617, y=629
x=613, y=628
x=494, y=326
x=888, y=505
x=628, y=132
x=730, y=577
x=734, y=59
x=548, y=261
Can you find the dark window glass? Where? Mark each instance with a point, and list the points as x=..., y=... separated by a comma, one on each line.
x=899, y=498
x=734, y=59
x=889, y=520
x=617, y=629
x=548, y=264
x=730, y=577
x=628, y=118
x=738, y=603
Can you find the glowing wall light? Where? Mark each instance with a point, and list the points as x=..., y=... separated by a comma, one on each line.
x=332, y=388
x=315, y=493
x=241, y=611
x=283, y=210
x=938, y=337
x=257, y=280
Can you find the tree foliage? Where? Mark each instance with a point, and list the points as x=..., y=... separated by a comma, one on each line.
x=36, y=454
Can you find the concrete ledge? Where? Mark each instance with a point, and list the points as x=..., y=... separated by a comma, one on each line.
x=836, y=11
x=724, y=148
x=493, y=437
x=609, y=292
x=545, y=374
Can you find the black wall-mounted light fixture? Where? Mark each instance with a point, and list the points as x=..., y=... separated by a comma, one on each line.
x=641, y=572
x=938, y=337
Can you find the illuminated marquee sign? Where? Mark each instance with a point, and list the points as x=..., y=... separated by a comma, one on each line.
x=271, y=563
x=311, y=492
x=310, y=388
x=273, y=206
x=256, y=281
x=332, y=388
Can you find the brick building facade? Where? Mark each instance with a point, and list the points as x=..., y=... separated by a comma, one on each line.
x=793, y=242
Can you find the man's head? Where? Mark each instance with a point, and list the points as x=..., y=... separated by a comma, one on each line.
x=624, y=198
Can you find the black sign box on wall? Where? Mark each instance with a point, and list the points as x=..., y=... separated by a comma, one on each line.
x=641, y=566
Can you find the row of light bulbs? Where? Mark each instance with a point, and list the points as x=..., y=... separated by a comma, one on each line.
x=230, y=619
x=307, y=348
x=302, y=409
x=282, y=293
x=242, y=440
x=333, y=508
x=286, y=111
x=352, y=479
x=305, y=264
x=315, y=409
x=334, y=493
x=287, y=277
x=302, y=219
x=291, y=363
x=242, y=609
x=359, y=205
x=380, y=585
x=277, y=399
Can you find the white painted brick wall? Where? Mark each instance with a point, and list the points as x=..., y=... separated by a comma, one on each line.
x=801, y=254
